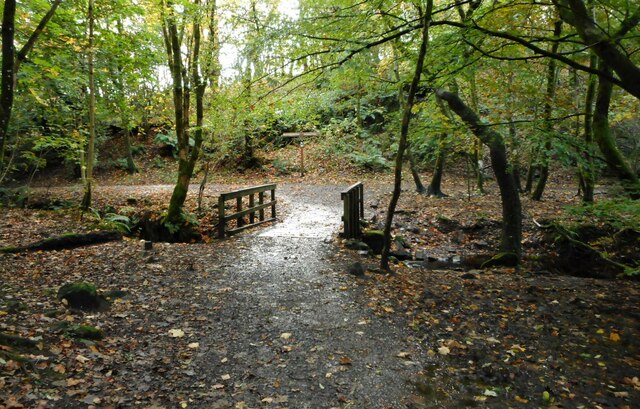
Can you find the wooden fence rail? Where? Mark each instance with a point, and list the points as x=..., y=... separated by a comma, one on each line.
x=253, y=208
x=353, y=201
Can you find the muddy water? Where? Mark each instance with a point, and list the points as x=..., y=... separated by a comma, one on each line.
x=295, y=328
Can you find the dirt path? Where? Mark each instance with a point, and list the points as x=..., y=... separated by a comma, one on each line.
x=295, y=328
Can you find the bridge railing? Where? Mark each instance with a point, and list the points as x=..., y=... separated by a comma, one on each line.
x=353, y=201
x=254, y=209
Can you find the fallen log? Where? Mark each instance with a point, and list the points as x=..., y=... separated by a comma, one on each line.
x=67, y=241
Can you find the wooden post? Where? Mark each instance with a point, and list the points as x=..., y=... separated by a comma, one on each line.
x=252, y=215
x=221, y=221
x=353, y=201
x=239, y=209
x=260, y=202
x=273, y=206
x=347, y=214
x=361, y=200
x=301, y=157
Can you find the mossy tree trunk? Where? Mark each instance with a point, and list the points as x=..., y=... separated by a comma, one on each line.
x=548, y=110
x=602, y=132
x=183, y=78
x=435, y=185
x=404, y=131
x=587, y=171
x=89, y=162
x=511, y=205
x=11, y=61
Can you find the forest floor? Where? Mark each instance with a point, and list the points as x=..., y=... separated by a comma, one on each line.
x=272, y=318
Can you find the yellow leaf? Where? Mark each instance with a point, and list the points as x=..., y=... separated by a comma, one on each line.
x=176, y=333
x=614, y=336
x=521, y=400
x=444, y=350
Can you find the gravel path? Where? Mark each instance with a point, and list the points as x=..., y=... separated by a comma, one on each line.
x=295, y=329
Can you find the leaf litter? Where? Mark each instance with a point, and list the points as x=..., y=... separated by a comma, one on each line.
x=192, y=329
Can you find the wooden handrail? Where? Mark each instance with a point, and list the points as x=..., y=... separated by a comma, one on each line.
x=251, y=210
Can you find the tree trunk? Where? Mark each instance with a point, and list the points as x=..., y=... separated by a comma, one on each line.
x=602, y=133
x=477, y=147
x=173, y=46
x=604, y=45
x=7, y=82
x=123, y=107
x=415, y=174
x=186, y=157
x=11, y=62
x=404, y=131
x=587, y=171
x=131, y=164
x=511, y=206
x=435, y=186
x=548, y=110
x=88, y=182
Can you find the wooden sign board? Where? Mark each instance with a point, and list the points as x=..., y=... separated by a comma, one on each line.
x=300, y=135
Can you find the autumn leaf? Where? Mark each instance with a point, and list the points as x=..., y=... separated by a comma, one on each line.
x=443, y=350
x=176, y=333
x=614, y=337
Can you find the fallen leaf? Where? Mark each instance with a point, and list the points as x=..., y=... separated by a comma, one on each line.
x=443, y=350
x=226, y=377
x=345, y=360
x=194, y=345
x=176, y=333
x=285, y=335
x=521, y=400
x=82, y=359
x=614, y=337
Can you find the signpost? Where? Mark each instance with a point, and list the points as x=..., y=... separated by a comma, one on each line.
x=300, y=135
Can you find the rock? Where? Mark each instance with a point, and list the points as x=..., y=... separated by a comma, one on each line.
x=352, y=244
x=374, y=239
x=421, y=255
x=446, y=225
x=356, y=269
x=401, y=241
x=85, y=332
x=469, y=276
x=81, y=296
x=401, y=254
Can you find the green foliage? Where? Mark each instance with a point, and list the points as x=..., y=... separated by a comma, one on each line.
x=119, y=222
x=370, y=158
x=282, y=166
x=621, y=213
x=170, y=141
